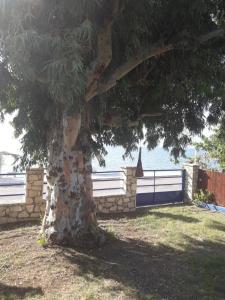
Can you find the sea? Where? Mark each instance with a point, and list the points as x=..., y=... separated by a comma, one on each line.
x=151, y=160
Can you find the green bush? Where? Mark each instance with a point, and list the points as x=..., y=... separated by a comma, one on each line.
x=203, y=196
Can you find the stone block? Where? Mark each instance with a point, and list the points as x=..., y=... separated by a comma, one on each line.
x=37, y=188
x=126, y=200
x=100, y=207
x=2, y=212
x=134, y=187
x=126, y=209
x=16, y=208
x=131, y=205
x=102, y=200
x=32, y=193
x=23, y=214
x=32, y=178
x=35, y=215
x=30, y=208
x=113, y=208
x=38, y=183
x=13, y=214
x=5, y=220
x=120, y=202
x=39, y=200
x=37, y=208
x=30, y=199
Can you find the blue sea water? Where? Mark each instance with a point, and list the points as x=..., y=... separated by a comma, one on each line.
x=152, y=160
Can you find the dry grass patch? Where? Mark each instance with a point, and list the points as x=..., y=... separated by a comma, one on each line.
x=175, y=252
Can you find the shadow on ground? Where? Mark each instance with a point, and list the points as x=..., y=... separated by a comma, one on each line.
x=218, y=226
x=148, y=211
x=22, y=224
x=8, y=292
x=157, y=272
x=173, y=216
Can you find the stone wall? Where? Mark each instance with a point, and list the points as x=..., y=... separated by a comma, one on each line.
x=34, y=206
x=124, y=202
x=191, y=181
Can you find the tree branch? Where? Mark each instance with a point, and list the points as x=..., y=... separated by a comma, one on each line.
x=110, y=80
x=115, y=121
x=104, y=51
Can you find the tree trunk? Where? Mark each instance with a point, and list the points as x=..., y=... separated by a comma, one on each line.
x=70, y=216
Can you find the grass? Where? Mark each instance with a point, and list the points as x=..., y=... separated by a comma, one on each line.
x=173, y=252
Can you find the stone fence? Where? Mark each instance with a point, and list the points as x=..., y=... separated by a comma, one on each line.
x=120, y=203
x=33, y=207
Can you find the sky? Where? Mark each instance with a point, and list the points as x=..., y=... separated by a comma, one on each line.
x=7, y=140
x=10, y=144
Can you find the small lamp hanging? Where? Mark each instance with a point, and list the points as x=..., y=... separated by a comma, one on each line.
x=139, y=170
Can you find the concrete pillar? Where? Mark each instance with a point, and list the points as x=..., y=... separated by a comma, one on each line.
x=191, y=181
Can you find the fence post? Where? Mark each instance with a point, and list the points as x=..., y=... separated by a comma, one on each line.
x=34, y=191
x=130, y=184
x=191, y=181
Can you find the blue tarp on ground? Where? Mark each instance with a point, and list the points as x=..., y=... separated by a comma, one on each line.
x=213, y=207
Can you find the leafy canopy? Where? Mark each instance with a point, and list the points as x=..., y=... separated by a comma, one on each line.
x=48, y=49
x=214, y=147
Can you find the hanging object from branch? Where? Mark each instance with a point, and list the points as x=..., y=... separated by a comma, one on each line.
x=139, y=169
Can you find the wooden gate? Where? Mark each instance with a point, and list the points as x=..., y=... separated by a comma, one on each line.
x=214, y=182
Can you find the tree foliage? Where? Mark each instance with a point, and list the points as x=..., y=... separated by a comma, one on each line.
x=152, y=64
x=214, y=147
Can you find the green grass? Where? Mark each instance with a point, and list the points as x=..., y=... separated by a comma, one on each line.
x=161, y=253
x=175, y=226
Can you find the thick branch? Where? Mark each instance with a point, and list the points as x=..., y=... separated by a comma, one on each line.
x=158, y=49
x=116, y=121
x=104, y=51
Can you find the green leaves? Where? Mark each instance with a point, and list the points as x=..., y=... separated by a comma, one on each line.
x=49, y=47
x=214, y=146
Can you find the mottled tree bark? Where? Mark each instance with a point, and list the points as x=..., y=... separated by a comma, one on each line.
x=70, y=216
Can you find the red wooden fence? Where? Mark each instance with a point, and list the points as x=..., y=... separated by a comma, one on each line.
x=214, y=182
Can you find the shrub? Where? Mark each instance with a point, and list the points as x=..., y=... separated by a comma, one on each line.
x=203, y=196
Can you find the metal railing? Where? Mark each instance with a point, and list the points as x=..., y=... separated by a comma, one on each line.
x=97, y=180
x=107, y=180
x=155, y=177
x=9, y=181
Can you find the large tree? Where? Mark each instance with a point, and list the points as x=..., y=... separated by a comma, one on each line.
x=82, y=74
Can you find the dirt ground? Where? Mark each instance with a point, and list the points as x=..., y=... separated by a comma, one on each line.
x=159, y=253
